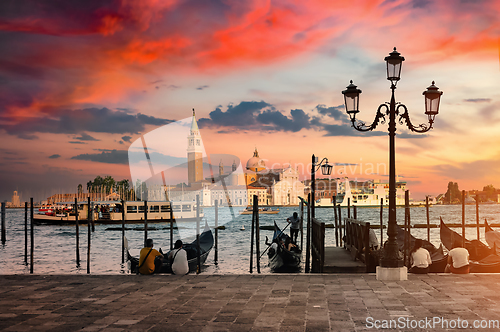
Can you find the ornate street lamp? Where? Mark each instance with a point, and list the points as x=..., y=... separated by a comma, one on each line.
x=326, y=169
x=432, y=98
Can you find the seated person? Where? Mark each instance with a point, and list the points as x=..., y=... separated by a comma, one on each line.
x=178, y=259
x=420, y=258
x=458, y=260
x=147, y=262
x=289, y=245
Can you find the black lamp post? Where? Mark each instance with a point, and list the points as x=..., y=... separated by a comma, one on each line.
x=326, y=169
x=432, y=97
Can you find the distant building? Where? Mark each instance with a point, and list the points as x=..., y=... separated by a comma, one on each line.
x=325, y=188
x=194, y=153
x=15, y=201
x=273, y=186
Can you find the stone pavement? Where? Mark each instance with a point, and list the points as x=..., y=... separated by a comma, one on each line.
x=285, y=302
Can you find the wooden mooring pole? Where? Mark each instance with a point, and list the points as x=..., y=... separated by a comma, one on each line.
x=25, y=233
x=88, y=235
x=477, y=216
x=216, y=245
x=428, y=218
x=257, y=236
x=381, y=223
x=3, y=224
x=32, y=236
x=348, y=207
x=77, y=235
x=123, y=231
x=406, y=247
x=301, y=224
x=336, y=221
x=145, y=222
x=341, y=227
x=463, y=218
x=198, y=251
x=171, y=227
x=254, y=212
x=308, y=234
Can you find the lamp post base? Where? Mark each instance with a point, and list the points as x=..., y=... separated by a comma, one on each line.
x=392, y=273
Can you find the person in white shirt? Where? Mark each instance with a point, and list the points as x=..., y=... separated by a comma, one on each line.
x=458, y=260
x=178, y=259
x=420, y=258
x=294, y=227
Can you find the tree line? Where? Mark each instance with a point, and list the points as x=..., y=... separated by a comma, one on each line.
x=454, y=195
x=107, y=185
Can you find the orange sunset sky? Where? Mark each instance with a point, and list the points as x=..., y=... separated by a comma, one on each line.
x=80, y=81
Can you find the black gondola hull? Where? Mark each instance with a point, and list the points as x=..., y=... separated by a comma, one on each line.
x=281, y=259
x=206, y=244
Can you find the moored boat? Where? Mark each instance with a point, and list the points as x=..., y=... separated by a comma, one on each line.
x=280, y=258
x=206, y=245
x=438, y=256
x=489, y=264
x=262, y=210
x=491, y=236
x=477, y=249
x=111, y=212
x=369, y=194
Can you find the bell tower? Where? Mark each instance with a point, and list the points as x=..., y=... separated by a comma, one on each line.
x=194, y=153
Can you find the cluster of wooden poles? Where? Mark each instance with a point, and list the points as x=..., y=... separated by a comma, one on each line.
x=91, y=228
x=3, y=231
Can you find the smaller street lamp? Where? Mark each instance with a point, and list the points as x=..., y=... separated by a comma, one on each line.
x=326, y=169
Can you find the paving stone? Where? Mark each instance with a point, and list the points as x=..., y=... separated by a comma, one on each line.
x=302, y=302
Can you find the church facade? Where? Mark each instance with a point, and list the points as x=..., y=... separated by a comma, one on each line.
x=273, y=186
x=237, y=186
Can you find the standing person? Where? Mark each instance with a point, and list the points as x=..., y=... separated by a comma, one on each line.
x=178, y=259
x=420, y=258
x=458, y=260
x=147, y=260
x=294, y=227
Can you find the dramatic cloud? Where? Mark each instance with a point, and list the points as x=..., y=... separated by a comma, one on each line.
x=335, y=112
x=64, y=53
x=126, y=138
x=85, y=137
x=261, y=116
x=478, y=100
x=109, y=157
x=99, y=120
x=254, y=115
x=241, y=115
x=55, y=156
x=278, y=121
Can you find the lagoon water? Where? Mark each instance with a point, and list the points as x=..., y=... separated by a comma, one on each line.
x=54, y=251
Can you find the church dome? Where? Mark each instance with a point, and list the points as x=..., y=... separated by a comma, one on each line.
x=256, y=164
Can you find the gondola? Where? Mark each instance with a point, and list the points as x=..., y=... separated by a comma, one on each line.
x=492, y=237
x=206, y=244
x=280, y=258
x=491, y=263
x=438, y=256
x=477, y=249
